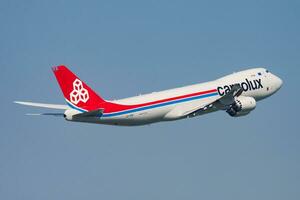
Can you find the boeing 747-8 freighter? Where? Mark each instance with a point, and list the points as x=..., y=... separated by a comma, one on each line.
x=237, y=94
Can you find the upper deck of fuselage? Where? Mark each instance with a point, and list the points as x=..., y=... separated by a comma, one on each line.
x=180, y=91
x=245, y=73
x=165, y=94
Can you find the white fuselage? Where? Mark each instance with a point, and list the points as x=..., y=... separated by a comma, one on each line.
x=174, y=103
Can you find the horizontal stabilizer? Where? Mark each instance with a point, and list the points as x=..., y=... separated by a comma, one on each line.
x=43, y=105
x=47, y=114
x=94, y=113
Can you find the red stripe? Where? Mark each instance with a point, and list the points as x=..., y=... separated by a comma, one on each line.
x=112, y=107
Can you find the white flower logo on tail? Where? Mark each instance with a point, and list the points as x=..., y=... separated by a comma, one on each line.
x=79, y=93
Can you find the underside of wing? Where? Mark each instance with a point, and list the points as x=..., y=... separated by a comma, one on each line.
x=223, y=103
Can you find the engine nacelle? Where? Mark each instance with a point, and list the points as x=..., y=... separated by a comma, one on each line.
x=242, y=106
x=68, y=115
x=241, y=114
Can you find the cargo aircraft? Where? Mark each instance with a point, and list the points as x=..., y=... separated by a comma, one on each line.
x=237, y=94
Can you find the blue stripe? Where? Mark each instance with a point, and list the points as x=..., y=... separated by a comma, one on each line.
x=159, y=105
x=75, y=108
x=149, y=107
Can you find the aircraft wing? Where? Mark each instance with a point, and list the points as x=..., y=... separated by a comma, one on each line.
x=43, y=105
x=223, y=103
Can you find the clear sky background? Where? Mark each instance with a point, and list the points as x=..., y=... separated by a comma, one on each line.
x=124, y=48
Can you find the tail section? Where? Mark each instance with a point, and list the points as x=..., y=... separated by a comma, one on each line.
x=77, y=93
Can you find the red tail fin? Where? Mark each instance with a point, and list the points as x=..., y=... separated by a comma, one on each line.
x=77, y=94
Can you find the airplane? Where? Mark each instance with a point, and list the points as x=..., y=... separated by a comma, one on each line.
x=237, y=94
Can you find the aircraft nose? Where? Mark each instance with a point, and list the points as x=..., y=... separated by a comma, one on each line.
x=279, y=82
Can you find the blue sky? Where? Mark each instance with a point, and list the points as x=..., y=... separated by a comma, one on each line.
x=124, y=48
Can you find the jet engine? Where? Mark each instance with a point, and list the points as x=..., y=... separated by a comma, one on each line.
x=242, y=106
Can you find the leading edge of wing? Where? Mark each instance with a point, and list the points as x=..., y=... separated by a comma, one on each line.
x=221, y=103
x=43, y=105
